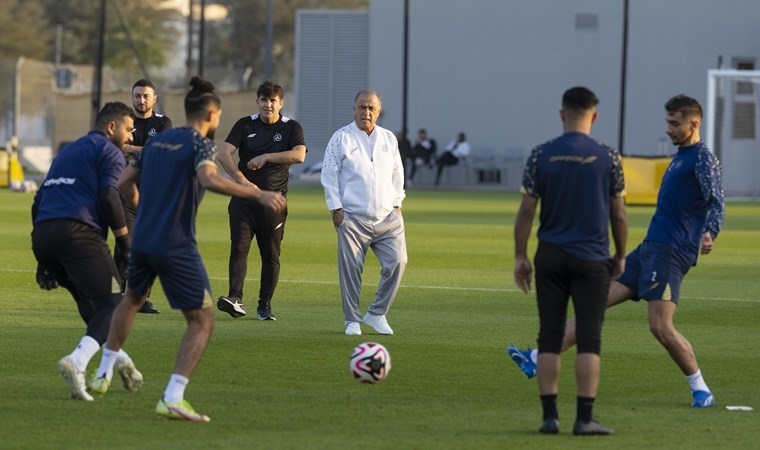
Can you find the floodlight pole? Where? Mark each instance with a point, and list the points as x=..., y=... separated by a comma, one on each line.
x=269, y=42
x=405, y=75
x=17, y=96
x=190, y=31
x=201, y=37
x=98, y=79
x=623, y=70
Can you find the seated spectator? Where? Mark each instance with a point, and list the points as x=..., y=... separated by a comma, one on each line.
x=423, y=152
x=455, y=151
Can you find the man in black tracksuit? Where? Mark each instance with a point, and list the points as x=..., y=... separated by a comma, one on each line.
x=148, y=123
x=268, y=143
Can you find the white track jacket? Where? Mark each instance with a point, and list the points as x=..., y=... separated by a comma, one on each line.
x=365, y=180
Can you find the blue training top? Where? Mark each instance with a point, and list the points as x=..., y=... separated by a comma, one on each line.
x=169, y=190
x=690, y=201
x=575, y=177
x=77, y=175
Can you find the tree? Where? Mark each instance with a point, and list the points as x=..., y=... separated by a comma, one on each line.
x=146, y=22
x=142, y=38
x=24, y=33
x=238, y=41
x=25, y=30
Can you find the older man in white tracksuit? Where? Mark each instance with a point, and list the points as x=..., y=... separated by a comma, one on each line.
x=363, y=178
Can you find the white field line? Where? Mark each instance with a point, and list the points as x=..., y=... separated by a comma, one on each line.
x=480, y=289
x=442, y=288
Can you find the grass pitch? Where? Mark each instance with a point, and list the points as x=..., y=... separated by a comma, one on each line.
x=286, y=384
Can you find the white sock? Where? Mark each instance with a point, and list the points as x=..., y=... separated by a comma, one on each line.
x=534, y=355
x=122, y=355
x=696, y=382
x=175, y=390
x=106, y=363
x=84, y=352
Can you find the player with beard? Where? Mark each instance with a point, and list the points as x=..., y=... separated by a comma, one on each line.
x=148, y=123
x=174, y=168
x=72, y=212
x=688, y=218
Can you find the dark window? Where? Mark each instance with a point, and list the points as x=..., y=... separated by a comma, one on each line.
x=743, y=87
x=744, y=120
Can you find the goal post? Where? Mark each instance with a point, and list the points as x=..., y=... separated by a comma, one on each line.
x=732, y=128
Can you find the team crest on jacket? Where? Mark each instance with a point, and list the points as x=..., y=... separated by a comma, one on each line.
x=277, y=137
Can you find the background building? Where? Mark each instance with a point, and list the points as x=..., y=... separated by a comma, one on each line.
x=496, y=69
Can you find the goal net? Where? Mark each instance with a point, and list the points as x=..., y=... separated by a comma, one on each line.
x=732, y=126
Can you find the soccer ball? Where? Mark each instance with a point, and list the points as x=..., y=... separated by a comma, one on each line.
x=370, y=362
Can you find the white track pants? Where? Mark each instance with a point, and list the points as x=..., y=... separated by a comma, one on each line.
x=388, y=241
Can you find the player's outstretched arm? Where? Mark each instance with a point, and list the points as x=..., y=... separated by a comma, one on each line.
x=296, y=155
x=209, y=177
x=226, y=158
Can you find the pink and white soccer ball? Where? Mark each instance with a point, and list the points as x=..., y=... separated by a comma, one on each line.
x=370, y=362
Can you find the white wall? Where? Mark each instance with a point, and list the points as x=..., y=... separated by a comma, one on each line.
x=672, y=44
x=496, y=69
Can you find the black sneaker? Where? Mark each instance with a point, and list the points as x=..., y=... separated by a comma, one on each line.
x=550, y=426
x=590, y=428
x=265, y=311
x=231, y=305
x=148, y=308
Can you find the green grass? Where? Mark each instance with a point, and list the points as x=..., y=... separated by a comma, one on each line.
x=285, y=384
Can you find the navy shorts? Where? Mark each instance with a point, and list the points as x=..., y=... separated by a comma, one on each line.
x=654, y=271
x=182, y=275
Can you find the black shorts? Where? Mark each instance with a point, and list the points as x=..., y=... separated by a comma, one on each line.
x=77, y=255
x=559, y=277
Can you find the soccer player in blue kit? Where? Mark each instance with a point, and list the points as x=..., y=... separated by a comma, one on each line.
x=580, y=186
x=72, y=212
x=174, y=169
x=688, y=218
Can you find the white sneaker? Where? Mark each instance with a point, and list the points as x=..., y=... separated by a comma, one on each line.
x=74, y=379
x=379, y=323
x=131, y=378
x=353, y=329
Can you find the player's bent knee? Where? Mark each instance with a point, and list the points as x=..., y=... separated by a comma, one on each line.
x=661, y=333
